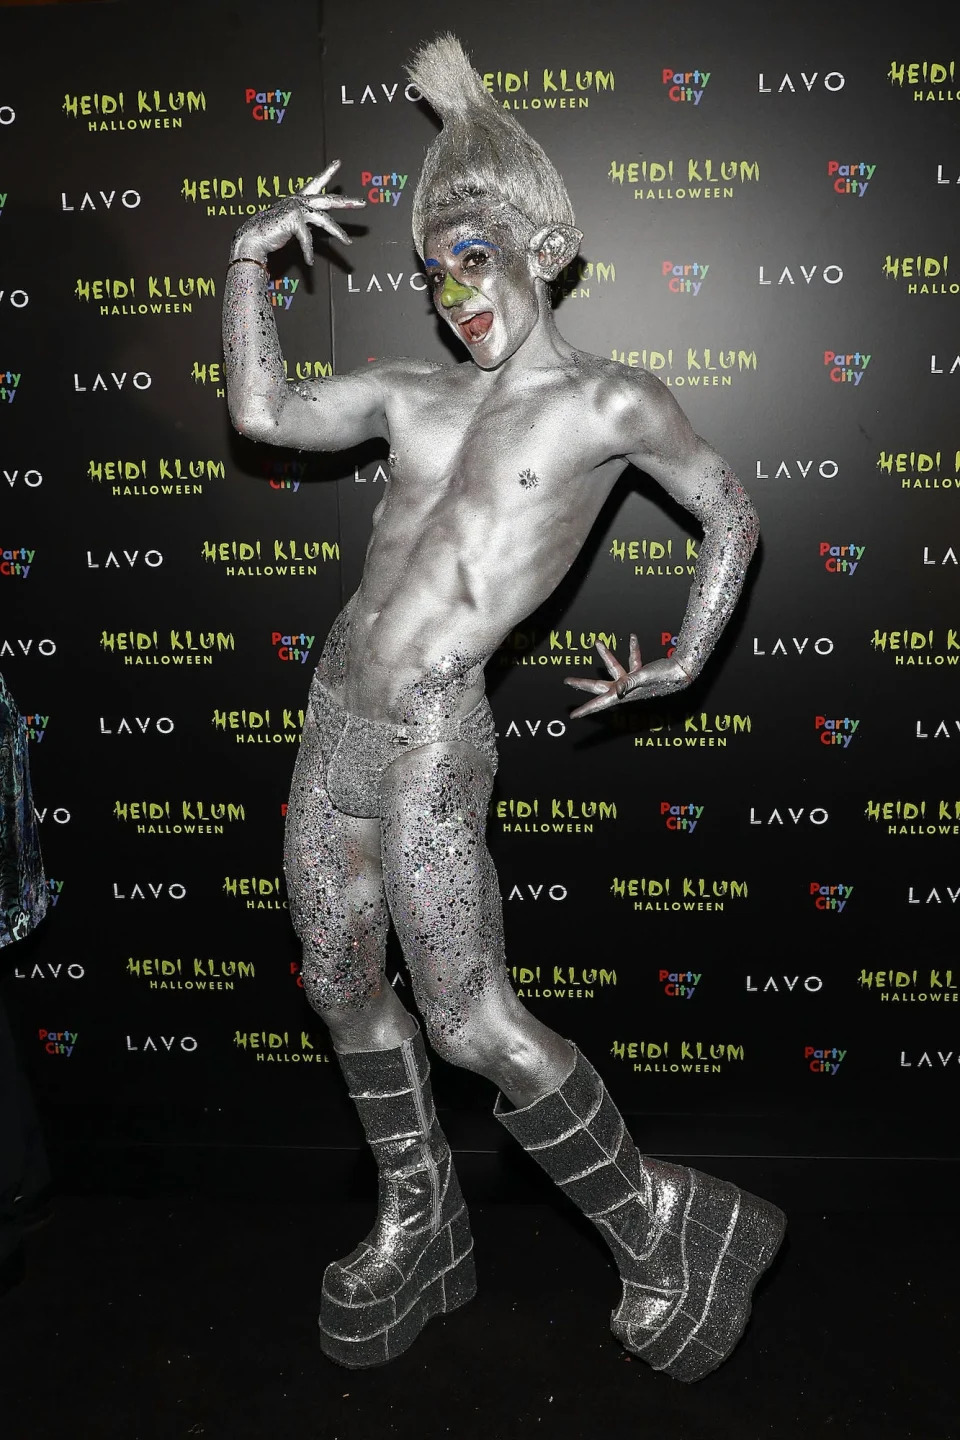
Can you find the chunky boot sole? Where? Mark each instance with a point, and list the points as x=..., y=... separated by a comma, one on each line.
x=372, y=1332
x=729, y=1239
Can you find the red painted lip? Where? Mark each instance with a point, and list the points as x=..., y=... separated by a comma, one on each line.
x=476, y=327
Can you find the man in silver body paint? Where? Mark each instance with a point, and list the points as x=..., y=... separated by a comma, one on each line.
x=498, y=470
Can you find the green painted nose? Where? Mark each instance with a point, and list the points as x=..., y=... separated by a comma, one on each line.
x=453, y=293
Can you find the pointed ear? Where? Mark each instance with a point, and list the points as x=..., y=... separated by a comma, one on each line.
x=552, y=248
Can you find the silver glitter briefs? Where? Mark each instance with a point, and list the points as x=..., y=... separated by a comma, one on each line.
x=689, y=1248
x=417, y=1260
x=357, y=752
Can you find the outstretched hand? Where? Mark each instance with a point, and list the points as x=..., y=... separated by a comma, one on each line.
x=292, y=217
x=660, y=677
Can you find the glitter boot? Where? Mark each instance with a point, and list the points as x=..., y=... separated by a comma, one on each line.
x=417, y=1260
x=689, y=1248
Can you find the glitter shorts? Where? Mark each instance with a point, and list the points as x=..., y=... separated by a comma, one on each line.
x=357, y=752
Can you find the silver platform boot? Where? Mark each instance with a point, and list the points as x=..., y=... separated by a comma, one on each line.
x=417, y=1260
x=689, y=1248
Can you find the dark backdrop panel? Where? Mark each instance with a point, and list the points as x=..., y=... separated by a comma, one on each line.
x=784, y=965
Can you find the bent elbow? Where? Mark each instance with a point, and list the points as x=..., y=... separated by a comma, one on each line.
x=252, y=426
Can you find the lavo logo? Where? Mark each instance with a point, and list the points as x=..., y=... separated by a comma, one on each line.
x=826, y=469
x=140, y=380
x=821, y=646
x=816, y=816
x=531, y=728
x=536, y=892
x=830, y=275
x=45, y=648
x=149, y=1045
x=943, y=1059
x=7, y=115
x=31, y=478
x=416, y=280
x=19, y=299
x=811, y=983
x=73, y=971
x=832, y=81
x=162, y=725
x=164, y=890
x=387, y=94
x=151, y=558
x=129, y=199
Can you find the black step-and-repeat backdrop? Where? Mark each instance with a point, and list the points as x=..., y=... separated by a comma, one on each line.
x=740, y=903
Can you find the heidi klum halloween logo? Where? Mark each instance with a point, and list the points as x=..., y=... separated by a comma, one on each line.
x=922, y=274
x=257, y=892
x=922, y=469
x=678, y=894
x=918, y=647
x=560, y=88
x=269, y=726
x=553, y=648
x=167, y=647
x=695, y=366
x=915, y=817
x=163, y=478
x=222, y=195
x=179, y=817
x=704, y=730
x=135, y=109
x=280, y=1046
x=197, y=974
x=912, y=987
x=678, y=1057
x=270, y=558
x=656, y=557
x=928, y=79
x=696, y=178
x=551, y=815
x=560, y=982
x=150, y=295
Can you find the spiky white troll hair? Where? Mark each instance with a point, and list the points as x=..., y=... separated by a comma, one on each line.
x=481, y=150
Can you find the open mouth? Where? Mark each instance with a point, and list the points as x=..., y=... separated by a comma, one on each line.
x=476, y=327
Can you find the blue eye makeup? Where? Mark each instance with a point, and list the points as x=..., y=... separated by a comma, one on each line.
x=473, y=240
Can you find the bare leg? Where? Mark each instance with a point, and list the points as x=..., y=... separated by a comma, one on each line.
x=442, y=890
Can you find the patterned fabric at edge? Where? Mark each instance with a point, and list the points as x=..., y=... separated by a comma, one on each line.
x=23, y=888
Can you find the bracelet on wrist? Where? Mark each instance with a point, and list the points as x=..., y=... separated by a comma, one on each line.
x=249, y=260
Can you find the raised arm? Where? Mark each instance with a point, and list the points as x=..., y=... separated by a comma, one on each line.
x=306, y=415
x=660, y=440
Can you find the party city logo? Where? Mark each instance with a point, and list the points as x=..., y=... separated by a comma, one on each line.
x=195, y=974
x=548, y=89
x=9, y=383
x=924, y=274
x=223, y=195
x=680, y=984
x=158, y=294
x=281, y=557
x=280, y=292
x=16, y=564
x=552, y=816
x=678, y=1057
x=692, y=179
x=172, y=647
x=260, y=727
x=698, y=365
x=823, y=1061
x=258, y=892
x=852, y=178
x=267, y=105
x=141, y=479
x=58, y=1042
x=927, y=77
x=670, y=895
x=555, y=648
x=685, y=86
x=284, y=475
x=912, y=986
x=54, y=891
x=841, y=559
x=846, y=369
x=136, y=110
x=922, y=469
x=563, y=982
x=36, y=728
x=292, y=648
x=836, y=732
x=684, y=277
x=384, y=187
x=682, y=819
x=657, y=557
x=915, y=817
x=921, y=647
x=831, y=899
x=279, y=1046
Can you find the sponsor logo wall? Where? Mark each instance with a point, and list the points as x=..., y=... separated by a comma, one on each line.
x=774, y=848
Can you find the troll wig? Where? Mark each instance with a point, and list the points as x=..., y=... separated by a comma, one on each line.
x=481, y=150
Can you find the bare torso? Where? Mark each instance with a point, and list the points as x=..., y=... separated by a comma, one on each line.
x=480, y=522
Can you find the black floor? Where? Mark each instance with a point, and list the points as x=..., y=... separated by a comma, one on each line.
x=196, y=1316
